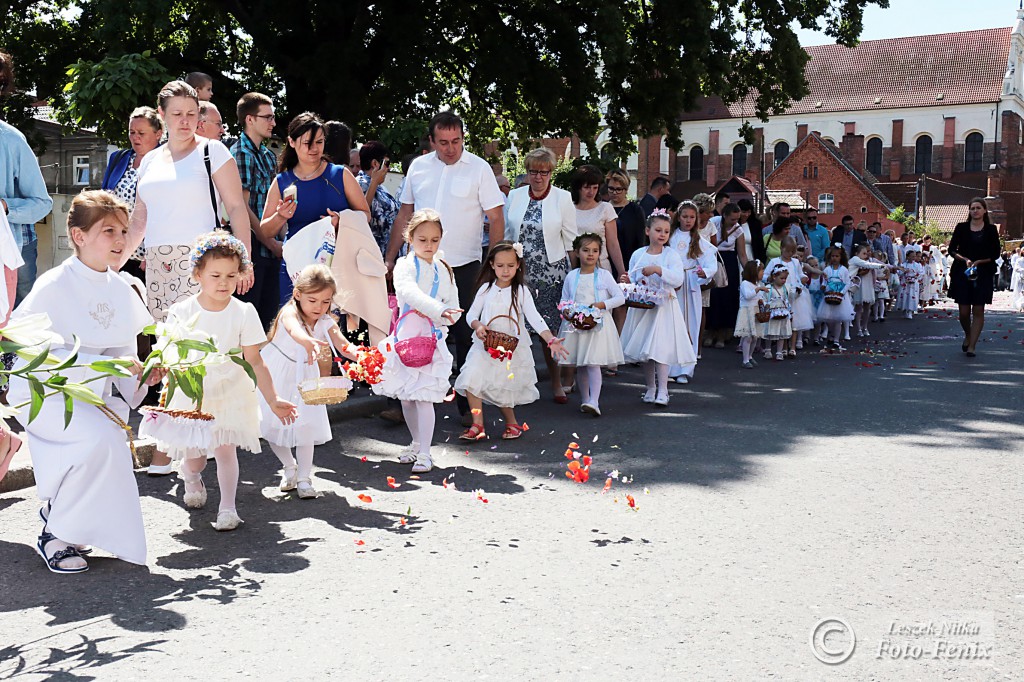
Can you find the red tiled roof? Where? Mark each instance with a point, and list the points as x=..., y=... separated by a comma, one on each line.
x=965, y=68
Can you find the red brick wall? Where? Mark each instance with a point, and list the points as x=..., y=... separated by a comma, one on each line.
x=833, y=178
x=649, y=163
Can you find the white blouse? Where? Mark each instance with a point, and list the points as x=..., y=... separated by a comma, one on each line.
x=492, y=300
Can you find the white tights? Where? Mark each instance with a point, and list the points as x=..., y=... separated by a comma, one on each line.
x=747, y=346
x=656, y=374
x=590, y=381
x=419, y=417
x=227, y=473
x=303, y=459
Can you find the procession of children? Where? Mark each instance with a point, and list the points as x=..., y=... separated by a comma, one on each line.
x=784, y=305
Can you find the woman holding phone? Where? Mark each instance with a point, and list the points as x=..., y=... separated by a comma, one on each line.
x=308, y=186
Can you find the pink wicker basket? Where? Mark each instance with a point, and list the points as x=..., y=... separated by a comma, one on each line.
x=416, y=351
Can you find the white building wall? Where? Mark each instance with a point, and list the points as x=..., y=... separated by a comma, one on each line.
x=918, y=121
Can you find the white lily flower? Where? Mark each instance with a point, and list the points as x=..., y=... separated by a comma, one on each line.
x=6, y=411
x=31, y=330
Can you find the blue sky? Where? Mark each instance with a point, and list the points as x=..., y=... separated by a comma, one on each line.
x=924, y=17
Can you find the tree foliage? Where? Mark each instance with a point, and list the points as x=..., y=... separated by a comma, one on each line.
x=518, y=70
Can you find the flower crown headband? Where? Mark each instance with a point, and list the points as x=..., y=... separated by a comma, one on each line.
x=518, y=248
x=660, y=213
x=215, y=239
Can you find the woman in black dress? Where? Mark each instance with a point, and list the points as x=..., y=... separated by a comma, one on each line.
x=975, y=244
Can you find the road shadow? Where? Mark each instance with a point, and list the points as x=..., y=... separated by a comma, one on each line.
x=74, y=662
x=132, y=597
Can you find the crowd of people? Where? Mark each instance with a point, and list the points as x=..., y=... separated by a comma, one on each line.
x=602, y=281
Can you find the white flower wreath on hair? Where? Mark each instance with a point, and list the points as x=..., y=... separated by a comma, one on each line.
x=518, y=248
x=219, y=238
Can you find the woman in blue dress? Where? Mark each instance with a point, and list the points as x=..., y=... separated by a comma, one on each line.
x=321, y=188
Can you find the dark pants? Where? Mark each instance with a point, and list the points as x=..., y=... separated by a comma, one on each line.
x=265, y=294
x=465, y=280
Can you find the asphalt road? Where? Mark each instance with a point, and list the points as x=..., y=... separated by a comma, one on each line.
x=881, y=488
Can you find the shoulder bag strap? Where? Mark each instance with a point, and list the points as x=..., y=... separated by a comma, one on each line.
x=213, y=191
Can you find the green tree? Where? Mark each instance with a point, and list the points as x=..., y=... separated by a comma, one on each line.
x=516, y=70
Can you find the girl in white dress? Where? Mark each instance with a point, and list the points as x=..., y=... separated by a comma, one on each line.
x=779, y=328
x=836, y=306
x=427, y=297
x=1017, y=284
x=881, y=288
x=218, y=261
x=911, y=277
x=503, y=304
x=590, y=350
x=302, y=331
x=748, y=329
x=84, y=472
x=800, y=299
x=864, y=295
x=700, y=264
x=657, y=337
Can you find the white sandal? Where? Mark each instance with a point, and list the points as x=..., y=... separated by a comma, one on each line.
x=422, y=465
x=194, y=499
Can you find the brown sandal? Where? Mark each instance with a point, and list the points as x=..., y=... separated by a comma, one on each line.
x=512, y=431
x=474, y=432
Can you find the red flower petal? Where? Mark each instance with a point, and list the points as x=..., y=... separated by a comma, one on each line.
x=391, y=482
x=363, y=458
x=587, y=459
x=360, y=542
x=365, y=498
x=631, y=501
x=607, y=485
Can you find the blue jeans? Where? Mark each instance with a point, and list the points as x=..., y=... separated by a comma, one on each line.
x=27, y=272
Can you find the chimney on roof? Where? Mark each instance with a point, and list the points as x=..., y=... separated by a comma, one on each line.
x=801, y=132
x=853, y=151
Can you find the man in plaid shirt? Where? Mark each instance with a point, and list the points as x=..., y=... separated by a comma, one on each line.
x=257, y=167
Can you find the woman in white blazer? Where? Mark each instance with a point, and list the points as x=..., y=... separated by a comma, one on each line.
x=543, y=218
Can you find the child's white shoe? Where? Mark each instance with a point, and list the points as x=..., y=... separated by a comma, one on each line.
x=767, y=355
x=408, y=453
x=194, y=499
x=305, y=490
x=288, y=475
x=661, y=400
x=423, y=464
x=227, y=519
x=648, y=397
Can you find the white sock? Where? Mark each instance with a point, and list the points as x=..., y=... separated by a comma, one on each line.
x=593, y=374
x=583, y=383
x=661, y=373
x=745, y=343
x=410, y=412
x=284, y=454
x=304, y=454
x=227, y=475
x=649, y=376
x=424, y=426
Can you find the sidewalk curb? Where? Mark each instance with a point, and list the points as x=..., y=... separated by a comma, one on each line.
x=20, y=475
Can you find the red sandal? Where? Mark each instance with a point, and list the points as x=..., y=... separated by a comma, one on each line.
x=512, y=431
x=474, y=432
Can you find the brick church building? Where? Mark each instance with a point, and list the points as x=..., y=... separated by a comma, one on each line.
x=926, y=122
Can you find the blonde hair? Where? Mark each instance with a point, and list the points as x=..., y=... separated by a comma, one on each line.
x=705, y=203
x=148, y=114
x=424, y=215
x=311, y=279
x=92, y=206
x=620, y=175
x=175, y=89
x=541, y=156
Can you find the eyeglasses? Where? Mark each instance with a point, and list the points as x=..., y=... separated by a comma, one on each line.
x=538, y=173
x=269, y=117
x=615, y=190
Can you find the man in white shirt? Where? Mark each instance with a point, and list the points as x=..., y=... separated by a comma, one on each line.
x=462, y=188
